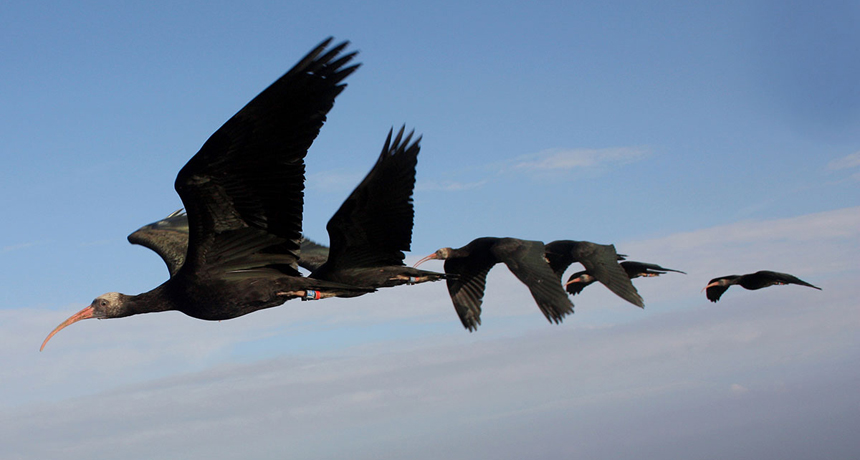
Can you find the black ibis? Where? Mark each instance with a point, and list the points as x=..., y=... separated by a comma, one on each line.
x=752, y=281
x=467, y=269
x=373, y=226
x=243, y=194
x=599, y=260
x=580, y=280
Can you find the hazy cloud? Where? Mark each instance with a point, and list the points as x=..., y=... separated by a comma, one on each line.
x=333, y=181
x=664, y=376
x=737, y=388
x=394, y=375
x=448, y=186
x=16, y=247
x=567, y=159
x=813, y=247
x=851, y=161
x=848, y=161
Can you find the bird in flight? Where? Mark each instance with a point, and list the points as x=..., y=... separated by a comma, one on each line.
x=243, y=194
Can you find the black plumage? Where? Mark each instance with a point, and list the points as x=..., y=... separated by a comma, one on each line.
x=752, y=281
x=243, y=194
x=168, y=237
x=373, y=227
x=581, y=279
x=599, y=260
x=467, y=268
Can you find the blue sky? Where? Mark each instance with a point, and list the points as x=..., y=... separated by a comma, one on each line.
x=714, y=139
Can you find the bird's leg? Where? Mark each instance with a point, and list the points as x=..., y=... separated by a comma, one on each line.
x=408, y=279
x=291, y=294
x=414, y=279
x=649, y=275
x=308, y=294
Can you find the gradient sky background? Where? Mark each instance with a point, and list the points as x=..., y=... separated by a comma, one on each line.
x=713, y=139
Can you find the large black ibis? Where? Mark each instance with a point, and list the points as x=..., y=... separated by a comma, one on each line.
x=468, y=266
x=580, y=280
x=373, y=226
x=243, y=193
x=599, y=260
x=752, y=281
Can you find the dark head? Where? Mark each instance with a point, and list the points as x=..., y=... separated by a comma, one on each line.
x=440, y=254
x=581, y=277
x=110, y=305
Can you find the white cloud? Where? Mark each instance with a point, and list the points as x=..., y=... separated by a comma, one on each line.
x=21, y=246
x=567, y=159
x=738, y=389
x=168, y=386
x=448, y=186
x=497, y=398
x=333, y=181
x=822, y=243
x=848, y=161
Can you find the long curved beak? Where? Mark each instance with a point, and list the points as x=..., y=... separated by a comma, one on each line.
x=710, y=285
x=430, y=257
x=578, y=279
x=86, y=313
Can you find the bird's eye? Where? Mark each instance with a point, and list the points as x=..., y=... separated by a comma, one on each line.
x=103, y=303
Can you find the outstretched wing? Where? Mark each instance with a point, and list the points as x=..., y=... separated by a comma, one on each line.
x=715, y=292
x=636, y=269
x=373, y=226
x=313, y=255
x=467, y=278
x=526, y=259
x=243, y=191
x=791, y=279
x=765, y=278
x=599, y=260
x=168, y=238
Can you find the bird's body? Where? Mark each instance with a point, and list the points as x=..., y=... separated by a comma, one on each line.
x=243, y=194
x=580, y=280
x=468, y=266
x=752, y=281
x=373, y=227
x=599, y=260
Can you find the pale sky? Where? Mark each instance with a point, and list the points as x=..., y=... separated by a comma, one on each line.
x=713, y=139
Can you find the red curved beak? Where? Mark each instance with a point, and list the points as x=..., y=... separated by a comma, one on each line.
x=710, y=285
x=575, y=280
x=86, y=313
x=430, y=257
